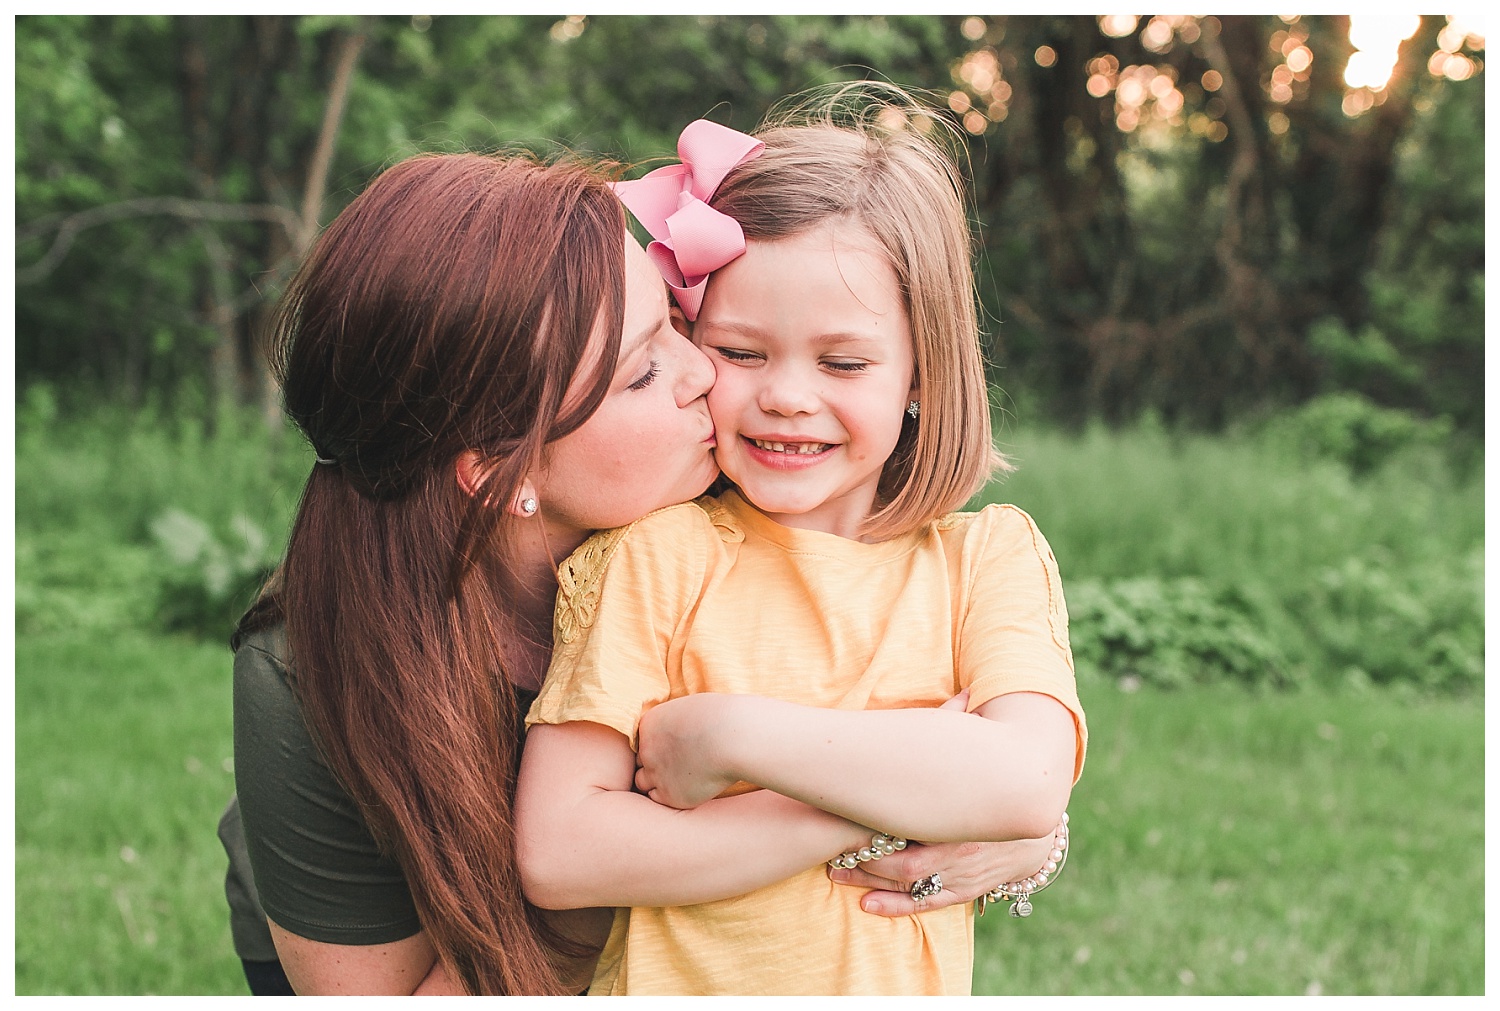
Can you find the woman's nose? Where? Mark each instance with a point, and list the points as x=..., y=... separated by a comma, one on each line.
x=696, y=376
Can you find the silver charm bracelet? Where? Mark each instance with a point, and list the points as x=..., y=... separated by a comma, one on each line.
x=1019, y=893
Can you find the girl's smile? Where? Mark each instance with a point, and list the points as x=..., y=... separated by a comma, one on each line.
x=787, y=454
x=813, y=354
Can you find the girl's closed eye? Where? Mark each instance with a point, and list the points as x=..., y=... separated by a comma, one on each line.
x=648, y=378
x=846, y=366
x=736, y=355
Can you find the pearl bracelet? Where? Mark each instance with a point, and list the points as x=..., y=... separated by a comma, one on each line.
x=881, y=845
x=1019, y=893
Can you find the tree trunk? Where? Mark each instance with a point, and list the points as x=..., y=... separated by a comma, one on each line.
x=216, y=293
x=345, y=54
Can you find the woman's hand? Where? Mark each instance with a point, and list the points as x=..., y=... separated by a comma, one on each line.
x=677, y=750
x=968, y=870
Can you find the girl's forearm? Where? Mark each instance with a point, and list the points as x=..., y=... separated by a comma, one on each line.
x=585, y=839
x=623, y=850
x=935, y=775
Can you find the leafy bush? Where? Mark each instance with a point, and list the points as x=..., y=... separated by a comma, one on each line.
x=1187, y=558
x=1170, y=633
x=1423, y=626
x=208, y=581
x=146, y=520
x=1355, y=431
x=77, y=582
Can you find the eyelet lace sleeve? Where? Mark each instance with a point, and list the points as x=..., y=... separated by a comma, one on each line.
x=578, y=581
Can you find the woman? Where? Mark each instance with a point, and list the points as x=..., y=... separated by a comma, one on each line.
x=485, y=364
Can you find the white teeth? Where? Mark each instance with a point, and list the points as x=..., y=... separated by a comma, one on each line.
x=791, y=449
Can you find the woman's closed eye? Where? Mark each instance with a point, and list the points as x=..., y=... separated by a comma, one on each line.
x=648, y=378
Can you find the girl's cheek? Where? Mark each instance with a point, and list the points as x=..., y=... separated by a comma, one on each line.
x=719, y=393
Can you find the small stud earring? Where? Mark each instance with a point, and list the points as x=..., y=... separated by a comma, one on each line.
x=914, y=408
x=528, y=507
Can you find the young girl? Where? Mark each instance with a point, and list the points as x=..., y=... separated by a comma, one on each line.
x=786, y=632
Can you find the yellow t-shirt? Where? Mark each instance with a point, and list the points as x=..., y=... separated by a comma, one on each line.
x=712, y=596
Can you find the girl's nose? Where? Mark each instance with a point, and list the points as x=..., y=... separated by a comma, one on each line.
x=786, y=394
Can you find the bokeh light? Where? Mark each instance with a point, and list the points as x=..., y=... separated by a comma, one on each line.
x=1459, y=33
x=1377, y=40
x=1291, y=44
x=1157, y=35
x=983, y=96
x=892, y=119
x=569, y=28
x=1458, y=68
x=1145, y=95
x=1117, y=26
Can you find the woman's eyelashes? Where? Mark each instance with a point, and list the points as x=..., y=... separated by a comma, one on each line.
x=648, y=378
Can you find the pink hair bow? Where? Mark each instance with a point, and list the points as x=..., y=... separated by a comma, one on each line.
x=692, y=240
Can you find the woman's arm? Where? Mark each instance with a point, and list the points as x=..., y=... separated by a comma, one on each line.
x=931, y=774
x=408, y=966
x=585, y=838
x=315, y=862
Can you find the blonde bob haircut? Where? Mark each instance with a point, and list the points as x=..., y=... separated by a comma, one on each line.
x=873, y=156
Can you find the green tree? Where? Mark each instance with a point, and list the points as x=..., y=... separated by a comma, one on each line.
x=159, y=193
x=1182, y=214
x=1176, y=247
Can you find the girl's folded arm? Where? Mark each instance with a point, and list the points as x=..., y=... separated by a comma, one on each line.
x=584, y=838
x=929, y=774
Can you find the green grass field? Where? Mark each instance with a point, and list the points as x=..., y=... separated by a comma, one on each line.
x=123, y=763
x=1228, y=838
x=1230, y=842
x=1224, y=840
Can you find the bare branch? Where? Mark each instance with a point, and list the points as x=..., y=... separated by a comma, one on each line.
x=69, y=227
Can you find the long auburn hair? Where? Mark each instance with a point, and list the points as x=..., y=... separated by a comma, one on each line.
x=447, y=309
x=873, y=155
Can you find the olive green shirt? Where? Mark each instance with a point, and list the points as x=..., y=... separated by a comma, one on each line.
x=317, y=870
